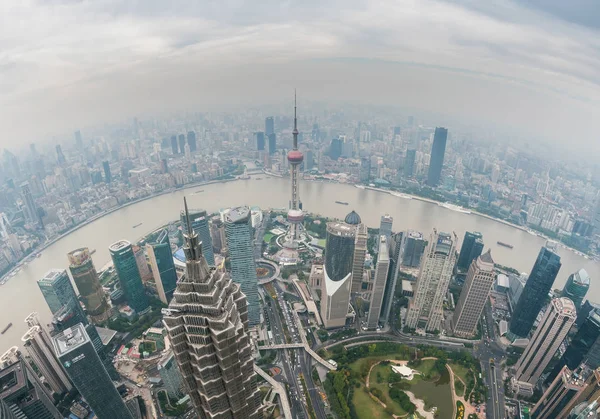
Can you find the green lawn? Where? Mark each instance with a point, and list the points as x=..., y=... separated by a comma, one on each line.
x=267, y=237
x=366, y=407
x=426, y=367
x=322, y=242
x=459, y=387
x=461, y=371
x=384, y=372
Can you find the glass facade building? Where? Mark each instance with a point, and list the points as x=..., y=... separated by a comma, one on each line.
x=123, y=258
x=240, y=234
x=170, y=375
x=87, y=372
x=577, y=287
x=199, y=220
x=436, y=162
x=163, y=267
x=536, y=289
x=471, y=249
x=88, y=284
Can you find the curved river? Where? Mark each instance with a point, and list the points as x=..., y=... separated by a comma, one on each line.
x=20, y=295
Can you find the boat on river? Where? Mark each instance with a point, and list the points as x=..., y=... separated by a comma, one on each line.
x=341, y=202
x=510, y=246
x=453, y=207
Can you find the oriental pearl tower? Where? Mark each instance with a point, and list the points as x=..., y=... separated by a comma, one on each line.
x=295, y=215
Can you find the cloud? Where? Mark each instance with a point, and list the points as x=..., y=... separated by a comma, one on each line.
x=69, y=63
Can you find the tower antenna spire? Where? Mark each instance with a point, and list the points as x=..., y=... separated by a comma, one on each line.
x=187, y=217
x=295, y=132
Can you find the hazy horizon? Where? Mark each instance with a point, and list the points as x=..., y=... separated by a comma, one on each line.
x=526, y=65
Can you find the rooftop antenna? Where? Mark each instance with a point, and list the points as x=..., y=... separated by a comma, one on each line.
x=187, y=217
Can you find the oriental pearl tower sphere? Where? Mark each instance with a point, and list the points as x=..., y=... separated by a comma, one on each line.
x=295, y=215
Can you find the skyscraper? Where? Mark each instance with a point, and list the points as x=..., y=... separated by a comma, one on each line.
x=385, y=226
x=260, y=141
x=21, y=389
x=174, y=145
x=172, y=378
x=394, y=244
x=549, y=335
x=474, y=295
x=106, y=167
x=38, y=345
x=207, y=322
x=78, y=140
x=199, y=220
x=123, y=258
x=58, y=291
x=269, y=126
x=239, y=234
x=181, y=140
x=381, y=276
x=90, y=289
x=191, y=140
x=339, y=259
x=409, y=163
x=584, y=347
x=360, y=250
x=471, y=248
x=425, y=311
x=558, y=399
x=272, y=143
x=538, y=285
x=412, y=248
x=30, y=207
x=163, y=267
x=438, y=149
x=87, y=372
x=576, y=287
x=295, y=215
x=60, y=157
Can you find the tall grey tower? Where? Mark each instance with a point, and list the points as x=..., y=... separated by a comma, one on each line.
x=207, y=322
x=295, y=214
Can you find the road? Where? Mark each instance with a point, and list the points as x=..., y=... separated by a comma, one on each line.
x=490, y=355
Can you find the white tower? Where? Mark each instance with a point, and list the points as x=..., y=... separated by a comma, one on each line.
x=295, y=214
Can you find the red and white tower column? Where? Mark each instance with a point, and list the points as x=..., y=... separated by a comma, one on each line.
x=295, y=215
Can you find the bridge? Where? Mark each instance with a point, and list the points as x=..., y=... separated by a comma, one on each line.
x=282, y=346
x=279, y=389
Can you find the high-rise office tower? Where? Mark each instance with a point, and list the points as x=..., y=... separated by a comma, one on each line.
x=38, y=345
x=106, y=167
x=239, y=233
x=295, y=214
x=272, y=143
x=585, y=410
x=339, y=259
x=549, y=335
x=199, y=220
x=181, y=140
x=90, y=289
x=174, y=145
x=30, y=207
x=409, y=163
x=260, y=141
x=584, y=347
x=163, y=267
x=21, y=390
x=558, y=399
x=385, y=226
x=217, y=234
x=6, y=412
x=538, y=285
x=584, y=311
x=436, y=162
x=576, y=287
x=360, y=250
x=170, y=375
x=365, y=170
x=87, y=372
x=394, y=244
x=60, y=157
x=412, y=248
x=591, y=392
x=425, y=310
x=269, y=126
x=191, y=140
x=335, y=149
x=381, y=276
x=207, y=322
x=126, y=266
x=142, y=264
x=474, y=295
x=471, y=248
x=78, y=140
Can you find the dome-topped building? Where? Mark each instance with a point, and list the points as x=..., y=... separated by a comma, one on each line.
x=353, y=218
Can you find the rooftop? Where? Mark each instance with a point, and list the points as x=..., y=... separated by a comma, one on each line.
x=70, y=339
x=487, y=257
x=52, y=275
x=352, y=218
x=238, y=215
x=119, y=245
x=581, y=277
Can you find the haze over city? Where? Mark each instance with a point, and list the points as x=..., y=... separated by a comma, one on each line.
x=314, y=210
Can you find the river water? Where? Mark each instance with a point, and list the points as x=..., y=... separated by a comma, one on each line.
x=20, y=295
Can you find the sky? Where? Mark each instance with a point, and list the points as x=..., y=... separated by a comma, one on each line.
x=531, y=65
